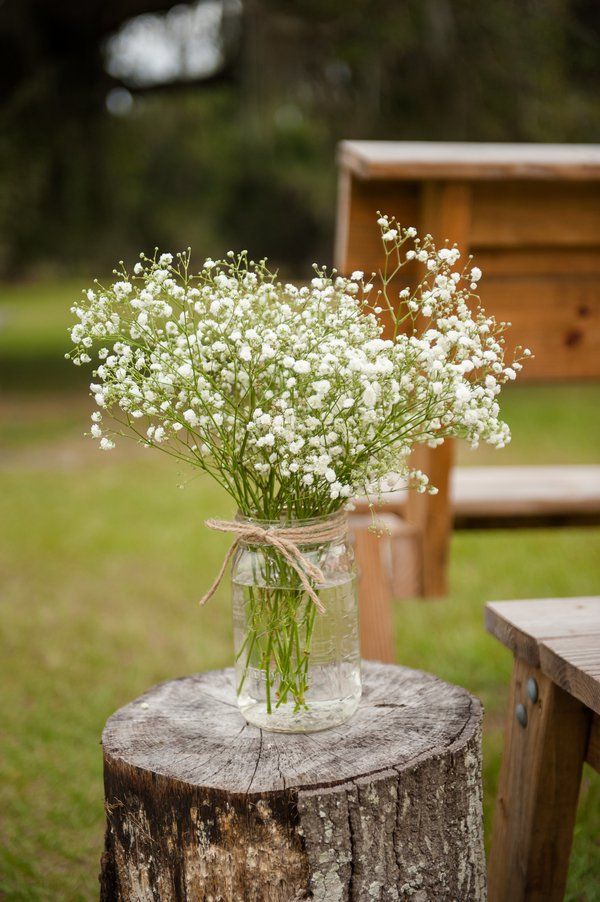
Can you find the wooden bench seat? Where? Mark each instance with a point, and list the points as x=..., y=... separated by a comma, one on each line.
x=497, y=497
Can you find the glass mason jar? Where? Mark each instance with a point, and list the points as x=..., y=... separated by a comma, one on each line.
x=297, y=668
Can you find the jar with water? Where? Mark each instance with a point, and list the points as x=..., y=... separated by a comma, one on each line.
x=297, y=668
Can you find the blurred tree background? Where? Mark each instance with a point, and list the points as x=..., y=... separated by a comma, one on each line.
x=102, y=154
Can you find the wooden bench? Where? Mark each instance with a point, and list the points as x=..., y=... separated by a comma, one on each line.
x=480, y=498
x=552, y=727
x=492, y=497
x=530, y=213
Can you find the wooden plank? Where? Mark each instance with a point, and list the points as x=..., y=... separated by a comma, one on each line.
x=521, y=496
x=497, y=492
x=538, y=791
x=592, y=755
x=431, y=515
x=445, y=213
x=522, y=625
x=558, y=318
x=573, y=663
x=556, y=262
x=405, y=547
x=518, y=214
x=373, y=563
x=469, y=160
x=358, y=240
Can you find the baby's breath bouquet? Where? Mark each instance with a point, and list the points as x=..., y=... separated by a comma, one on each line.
x=295, y=402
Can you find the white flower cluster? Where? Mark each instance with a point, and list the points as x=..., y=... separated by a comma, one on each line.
x=293, y=398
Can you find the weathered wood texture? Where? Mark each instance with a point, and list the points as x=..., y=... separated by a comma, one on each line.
x=556, y=684
x=561, y=637
x=492, y=497
x=530, y=214
x=373, y=563
x=469, y=160
x=202, y=806
x=525, y=496
x=524, y=625
x=593, y=750
x=537, y=792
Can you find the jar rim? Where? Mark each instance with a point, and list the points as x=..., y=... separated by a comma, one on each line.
x=285, y=522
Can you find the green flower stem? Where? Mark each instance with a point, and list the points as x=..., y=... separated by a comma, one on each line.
x=280, y=623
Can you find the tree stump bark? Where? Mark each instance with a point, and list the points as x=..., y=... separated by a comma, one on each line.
x=202, y=806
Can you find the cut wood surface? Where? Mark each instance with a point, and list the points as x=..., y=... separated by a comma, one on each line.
x=201, y=805
x=523, y=625
x=561, y=637
x=573, y=663
x=473, y=160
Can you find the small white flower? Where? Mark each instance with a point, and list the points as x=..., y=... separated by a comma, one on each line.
x=106, y=444
x=297, y=383
x=191, y=417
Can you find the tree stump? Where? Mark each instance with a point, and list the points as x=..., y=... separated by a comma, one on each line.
x=202, y=806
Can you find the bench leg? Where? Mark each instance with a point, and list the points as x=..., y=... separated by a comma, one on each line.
x=431, y=516
x=538, y=791
x=374, y=592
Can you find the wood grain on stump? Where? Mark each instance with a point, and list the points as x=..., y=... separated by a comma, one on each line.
x=202, y=806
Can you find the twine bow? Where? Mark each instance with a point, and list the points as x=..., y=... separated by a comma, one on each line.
x=287, y=541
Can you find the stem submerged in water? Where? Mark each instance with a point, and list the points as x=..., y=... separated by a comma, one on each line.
x=280, y=621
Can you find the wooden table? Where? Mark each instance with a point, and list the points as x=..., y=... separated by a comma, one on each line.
x=552, y=727
x=202, y=806
x=530, y=213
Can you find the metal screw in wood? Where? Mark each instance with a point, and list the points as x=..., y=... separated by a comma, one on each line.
x=532, y=689
x=521, y=714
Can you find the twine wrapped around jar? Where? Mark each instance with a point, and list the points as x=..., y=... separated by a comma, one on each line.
x=287, y=540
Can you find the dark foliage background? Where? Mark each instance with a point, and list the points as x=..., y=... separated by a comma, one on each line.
x=246, y=157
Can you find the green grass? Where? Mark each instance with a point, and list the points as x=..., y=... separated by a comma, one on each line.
x=34, y=333
x=102, y=560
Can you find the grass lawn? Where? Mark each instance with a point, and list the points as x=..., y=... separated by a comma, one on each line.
x=102, y=559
